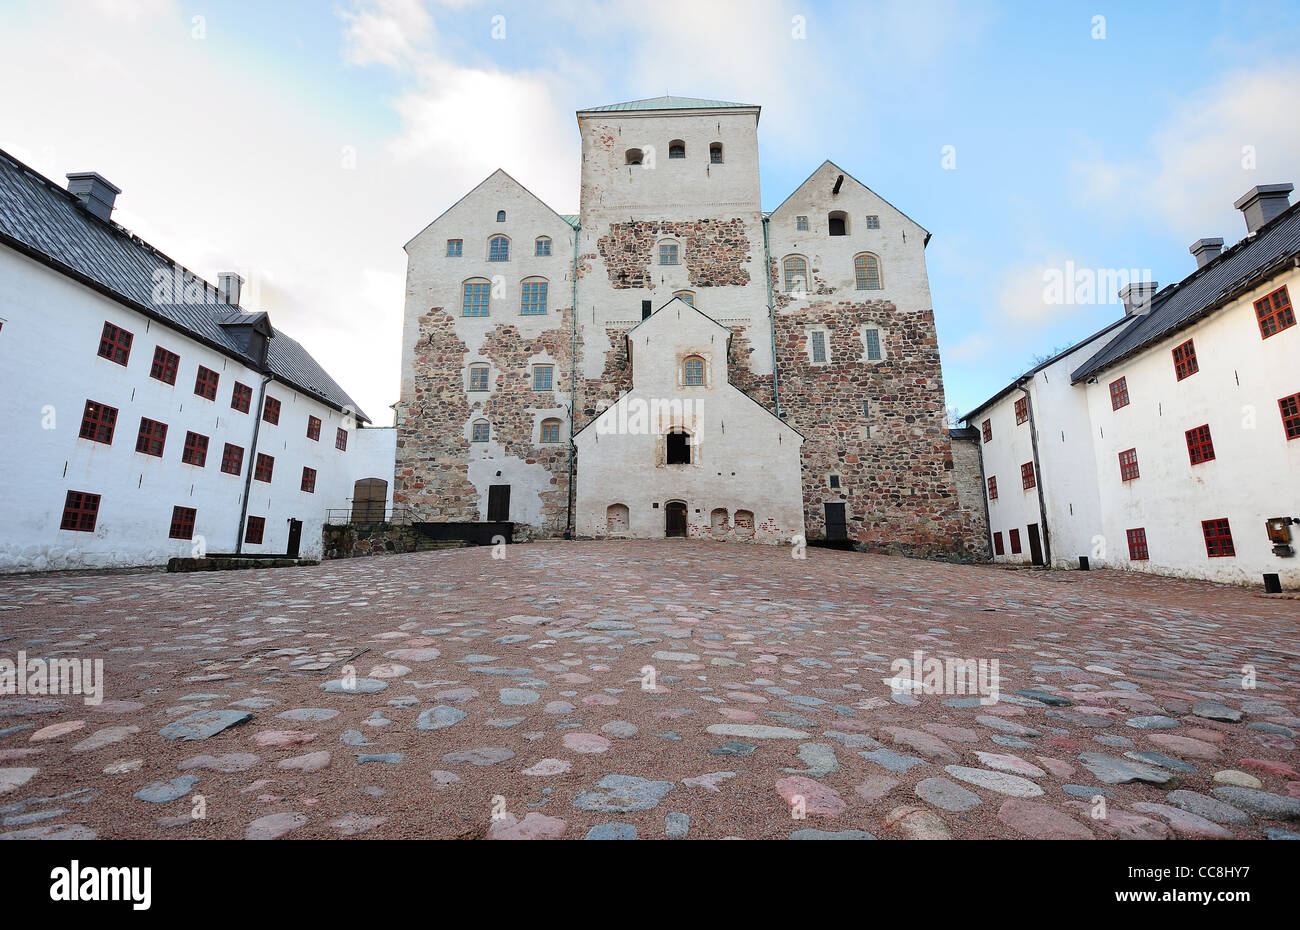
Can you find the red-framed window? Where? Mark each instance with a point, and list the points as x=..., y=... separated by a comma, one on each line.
x=998, y=547
x=196, y=450
x=1200, y=448
x=80, y=510
x=313, y=428
x=115, y=344
x=255, y=531
x=232, y=459
x=242, y=398
x=98, y=422
x=1014, y=536
x=1128, y=464
x=152, y=437
x=308, y=480
x=1022, y=410
x=1218, y=538
x=182, y=523
x=993, y=487
x=341, y=440
x=1290, y=407
x=164, y=365
x=1137, y=544
x=1185, y=364
x=987, y=427
x=1118, y=393
x=1275, y=313
x=265, y=466
x=1027, y=480
x=271, y=411
x=205, y=385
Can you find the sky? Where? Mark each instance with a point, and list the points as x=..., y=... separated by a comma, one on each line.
x=304, y=143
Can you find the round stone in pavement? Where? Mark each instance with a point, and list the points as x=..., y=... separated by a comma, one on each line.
x=917, y=823
x=611, y=831
x=677, y=825
x=1260, y=803
x=517, y=696
x=586, y=743
x=309, y=714
x=534, y=826
x=623, y=794
x=548, y=767
x=484, y=755
x=354, y=686
x=945, y=794
x=1237, y=778
x=12, y=779
x=1207, y=807
x=227, y=763
x=437, y=718
x=818, y=800
x=812, y=834
x=274, y=826
x=1001, y=782
x=160, y=792
x=1040, y=821
x=311, y=762
x=620, y=729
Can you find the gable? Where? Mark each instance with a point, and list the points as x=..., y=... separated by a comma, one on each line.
x=817, y=190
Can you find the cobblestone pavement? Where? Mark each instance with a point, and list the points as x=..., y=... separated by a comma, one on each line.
x=650, y=689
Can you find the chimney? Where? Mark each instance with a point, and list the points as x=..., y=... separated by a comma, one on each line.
x=1206, y=251
x=645, y=309
x=229, y=285
x=1260, y=204
x=94, y=191
x=1137, y=296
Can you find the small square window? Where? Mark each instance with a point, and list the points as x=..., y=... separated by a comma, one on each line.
x=668, y=254
x=1274, y=313
x=265, y=467
x=542, y=377
x=196, y=450
x=550, y=431
x=455, y=248
x=308, y=480
x=271, y=411
x=1200, y=448
x=152, y=437
x=1118, y=393
x=80, y=511
x=255, y=531
x=232, y=459
x=987, y=427
x=182, y=523
x=1022, y=410
x=205, y=385
x=543, y=248
x=164, y=365
x=98, y=421
x=873, y=222
x=341, y=439
x=835, y=481
x=478, y=378
x=480, y=432
x=1290, y=407
x=242, y=398
x=801, y=223
x=1128, y=465
x=313, y=428
x=115, y=344
x=1137, y=545
x=1218, y=538
x=1185, y=364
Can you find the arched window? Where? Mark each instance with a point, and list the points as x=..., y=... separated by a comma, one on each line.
x=478, y=377
x=796, y=273
x=501, y=216
x=718, y=522
x=687, y=297
x=838, y=223
x=668, y=253
x=715, y=153
x=498, y=249
x=477, y=294
x=543, y=246
x=551, y=430
x=634, y=156
x=693, y=371
x=867, y=269
x=480, y=431
x=616, y=519
x=532, y=297
x=677, y=149
x=744, y=523
x=677, y=449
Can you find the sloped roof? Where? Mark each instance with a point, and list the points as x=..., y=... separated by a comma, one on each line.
x=770, y=213
x=667, y=102
x=42, y=220
x=1203, y=291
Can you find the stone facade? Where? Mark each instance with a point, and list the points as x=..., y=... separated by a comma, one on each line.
x=670, y=208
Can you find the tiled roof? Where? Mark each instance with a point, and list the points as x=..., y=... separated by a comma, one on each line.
x=42, y=219
x=1203, y=291
x=665, y=103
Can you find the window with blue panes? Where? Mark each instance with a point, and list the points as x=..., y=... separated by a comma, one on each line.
x=543, y=247
x=499, y=249
x=532, y=298
x=543, y=377
x=455, y=248
x=477, y=296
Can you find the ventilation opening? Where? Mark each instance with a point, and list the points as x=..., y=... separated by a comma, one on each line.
x=634, y=156
x=838, y=223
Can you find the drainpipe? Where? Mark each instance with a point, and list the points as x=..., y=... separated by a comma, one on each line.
x=1038, y=476
x=573, y=383
x=771, y=314
x=251, y=463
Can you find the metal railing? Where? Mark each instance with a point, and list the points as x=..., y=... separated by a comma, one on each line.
x=371, y=513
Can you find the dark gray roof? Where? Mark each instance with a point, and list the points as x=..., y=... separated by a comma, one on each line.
x=1204, y=291
x=41, y=219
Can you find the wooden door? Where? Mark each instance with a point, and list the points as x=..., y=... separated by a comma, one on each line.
x=676, y=518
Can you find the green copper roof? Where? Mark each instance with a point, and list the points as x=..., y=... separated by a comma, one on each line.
x=666, y=103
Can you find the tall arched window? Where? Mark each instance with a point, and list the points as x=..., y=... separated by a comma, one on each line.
x=715, y=153
x=498, y=249
x=532, y=297
x=543, y=246
x=838, y=223
x=477, y=293
x=677, y=149
x=693, y=371
x=687, y=297
x=866, y=267
x=480, y=431
x=796, y=273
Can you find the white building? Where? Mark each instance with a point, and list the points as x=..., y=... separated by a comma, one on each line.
x=1170, y=441
x=146, y=414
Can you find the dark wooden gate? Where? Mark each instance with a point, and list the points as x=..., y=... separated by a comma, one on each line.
x=676, y=518
x=295, y=538
x=498, y=503
x=836, y=525
x=1035, y=545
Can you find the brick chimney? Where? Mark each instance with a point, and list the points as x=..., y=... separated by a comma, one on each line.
x=1260, y=204
x=1136, y=297
x=1206, y=251
x=94, y=192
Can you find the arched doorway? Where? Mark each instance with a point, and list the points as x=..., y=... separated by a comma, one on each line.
x=718, y=523
x=675, y=518
x=369, y=500
x=616, y=520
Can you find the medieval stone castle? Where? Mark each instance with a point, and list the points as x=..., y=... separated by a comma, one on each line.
x=674, y=361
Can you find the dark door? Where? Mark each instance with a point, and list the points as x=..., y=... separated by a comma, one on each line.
x=836, y=527
x=1035, y=545
x=498, y=503
x=295, y=538
x=676, y=515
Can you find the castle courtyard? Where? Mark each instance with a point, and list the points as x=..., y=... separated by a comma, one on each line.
x=656, y=688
